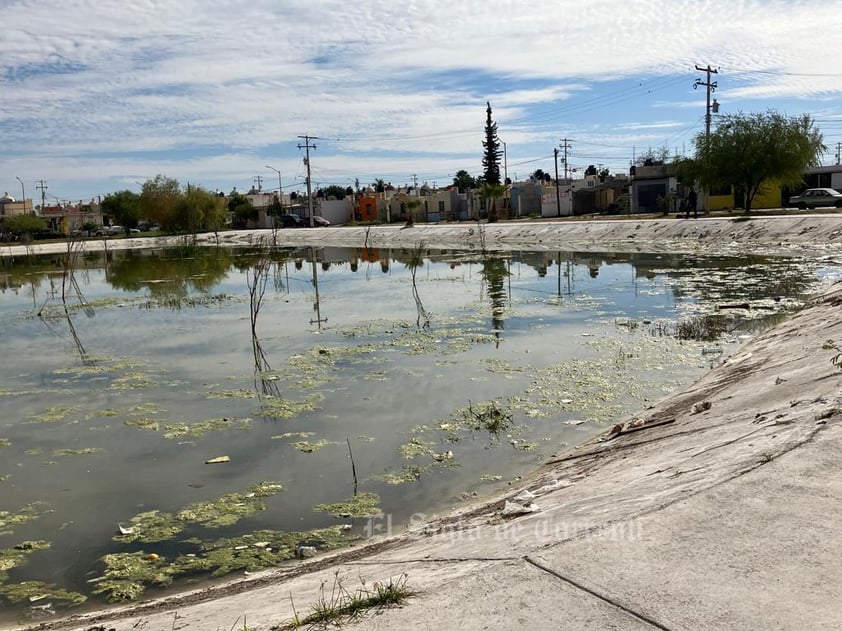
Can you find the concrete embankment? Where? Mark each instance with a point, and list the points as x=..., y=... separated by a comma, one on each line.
x=718, y=508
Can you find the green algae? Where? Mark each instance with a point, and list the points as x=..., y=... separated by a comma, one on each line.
x=127, y=574
x=23, y=515
x=200, y=428
x=293, y=435
x=54, y=414
x=155, y=526
x=35, y=591
x=144, y=423
x=362, y=505
x=135, y=380
x=308, y=447
x=416, y=447
x=408, y=473
x=5, y=442
x=229, y=508
x=77, y=452
x=15, y=557
x=240, y=393
x=282, y=408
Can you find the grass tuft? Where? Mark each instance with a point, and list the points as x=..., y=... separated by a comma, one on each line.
x=338, y=604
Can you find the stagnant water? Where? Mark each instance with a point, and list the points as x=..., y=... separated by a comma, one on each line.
x=400, y=382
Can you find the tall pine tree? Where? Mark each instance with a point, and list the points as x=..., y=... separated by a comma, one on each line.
x=491, y=157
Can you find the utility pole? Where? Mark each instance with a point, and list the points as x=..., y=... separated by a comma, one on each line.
x=307, y=146
x=557, y=194
x=42, y=185
x=565, y=145
x=711, y=87
x=259, y=181
x=838, y=152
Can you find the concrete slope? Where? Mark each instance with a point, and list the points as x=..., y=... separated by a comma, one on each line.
x=718, y=508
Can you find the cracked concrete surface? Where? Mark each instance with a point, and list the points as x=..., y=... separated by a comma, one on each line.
x=726, y=517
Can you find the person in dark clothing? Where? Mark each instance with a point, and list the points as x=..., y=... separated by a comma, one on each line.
x=692, y=198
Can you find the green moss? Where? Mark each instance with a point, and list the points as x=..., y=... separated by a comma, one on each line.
x=362, y=505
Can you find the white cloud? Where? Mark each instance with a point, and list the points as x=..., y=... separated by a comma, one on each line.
x=93, y=91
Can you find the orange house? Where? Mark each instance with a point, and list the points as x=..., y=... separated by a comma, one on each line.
x=366, y=209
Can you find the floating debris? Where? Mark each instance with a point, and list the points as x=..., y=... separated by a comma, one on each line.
x=218, y=460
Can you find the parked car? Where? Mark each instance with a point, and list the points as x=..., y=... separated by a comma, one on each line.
x=815, y=197
x=291, y=221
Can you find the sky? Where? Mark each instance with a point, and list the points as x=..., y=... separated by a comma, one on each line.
x=97, y=96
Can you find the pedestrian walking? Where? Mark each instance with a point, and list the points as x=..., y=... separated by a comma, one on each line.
x=692, y=198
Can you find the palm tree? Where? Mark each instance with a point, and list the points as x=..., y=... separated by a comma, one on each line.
x=492, y=192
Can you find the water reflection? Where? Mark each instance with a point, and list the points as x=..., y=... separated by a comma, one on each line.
x=494, y=273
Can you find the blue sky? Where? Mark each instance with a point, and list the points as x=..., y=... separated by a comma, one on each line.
x=98, y=95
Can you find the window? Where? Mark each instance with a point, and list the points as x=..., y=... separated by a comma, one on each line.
x=441, y=206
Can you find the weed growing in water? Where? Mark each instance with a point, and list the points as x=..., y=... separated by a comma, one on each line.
x=702, y=328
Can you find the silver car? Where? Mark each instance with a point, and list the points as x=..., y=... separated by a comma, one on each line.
x=815, y=197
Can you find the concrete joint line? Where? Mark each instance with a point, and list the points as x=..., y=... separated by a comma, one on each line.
x=606, y=599
x=452, y=560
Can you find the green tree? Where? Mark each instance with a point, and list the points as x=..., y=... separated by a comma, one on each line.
x=123, y=207
x=492, y=153
x=241, y=209
x=464, y=181
x=334, y=190
x=158, y=200
x=24, y=225
x=756, y=150
x=491, y=193
x=198, y=209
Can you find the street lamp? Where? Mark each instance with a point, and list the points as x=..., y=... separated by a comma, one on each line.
x=22, y=193
x=280, y=188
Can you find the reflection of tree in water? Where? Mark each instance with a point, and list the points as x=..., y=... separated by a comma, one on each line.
x=416, y=260
x=494, y=274
x=170, y=276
